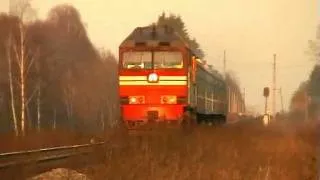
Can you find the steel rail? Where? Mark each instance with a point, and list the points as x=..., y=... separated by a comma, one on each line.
x=45, y=154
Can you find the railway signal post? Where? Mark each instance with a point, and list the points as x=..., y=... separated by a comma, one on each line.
x=266, y=117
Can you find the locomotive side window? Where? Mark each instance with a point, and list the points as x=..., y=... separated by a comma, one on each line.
x=165, y=59
x=137, y=60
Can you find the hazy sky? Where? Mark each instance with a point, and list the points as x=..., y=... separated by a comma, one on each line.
x=250, y=31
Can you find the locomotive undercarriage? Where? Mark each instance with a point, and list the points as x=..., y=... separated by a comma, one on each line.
x=207, y=119
x=188, y=121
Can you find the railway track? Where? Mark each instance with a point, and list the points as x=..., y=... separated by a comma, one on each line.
x=22, y=164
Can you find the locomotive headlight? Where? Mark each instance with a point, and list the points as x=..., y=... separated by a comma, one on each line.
x=132, y=100
x=153, y=77
x=168, y=99
x=136, y=100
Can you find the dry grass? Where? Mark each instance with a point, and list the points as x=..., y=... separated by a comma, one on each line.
x=284, y=150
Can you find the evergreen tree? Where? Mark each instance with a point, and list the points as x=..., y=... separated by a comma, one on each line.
x=314, y=84
x=176, y=22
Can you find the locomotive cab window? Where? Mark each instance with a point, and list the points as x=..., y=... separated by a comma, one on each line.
x=165, y=60
x=137, y=60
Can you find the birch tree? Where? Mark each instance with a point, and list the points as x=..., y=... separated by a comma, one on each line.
x=69, y=93
x=38, y=99
x=11, y=86
x=20, y=56
x=24, y=59
x=23, y=10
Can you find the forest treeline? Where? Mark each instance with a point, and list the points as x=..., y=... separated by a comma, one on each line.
x=52, y=76
x=306, y=98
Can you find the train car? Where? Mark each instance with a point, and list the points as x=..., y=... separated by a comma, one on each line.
x=208, y=94
x=161, y=80
x=236, y=103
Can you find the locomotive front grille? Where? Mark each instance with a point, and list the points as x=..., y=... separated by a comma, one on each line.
x=153, y=115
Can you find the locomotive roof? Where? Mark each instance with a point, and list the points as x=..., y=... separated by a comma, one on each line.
x=163, y=34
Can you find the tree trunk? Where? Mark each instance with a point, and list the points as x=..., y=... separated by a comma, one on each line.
x=68, y=107
x=29, y=116
x=69, y=93
x=102, y=119
x=22, y=79
x=54, y=119
x=13, y=109
x=39, y=107
x=109, y=116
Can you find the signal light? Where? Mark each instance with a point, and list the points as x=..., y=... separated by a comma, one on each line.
x=266, y=91
x=168, y=99
x=153, y=77
x=136, y=100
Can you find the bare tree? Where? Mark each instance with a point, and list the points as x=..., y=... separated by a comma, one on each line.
x=39, y=104
x=13, y=106
x=37, y=88
x=19, y=50
x=23, y=10
x=24, y=59
x=69, y=93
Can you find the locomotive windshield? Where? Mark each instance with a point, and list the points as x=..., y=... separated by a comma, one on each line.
x=161, y=60
x=165, y=59
x=137, y=60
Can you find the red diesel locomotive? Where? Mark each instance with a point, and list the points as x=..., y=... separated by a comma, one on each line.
x=160, y=80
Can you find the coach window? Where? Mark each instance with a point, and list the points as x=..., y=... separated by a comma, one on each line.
x=137, y=60
x=165, y=59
